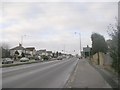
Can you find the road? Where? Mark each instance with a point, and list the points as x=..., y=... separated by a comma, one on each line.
x=52, y=74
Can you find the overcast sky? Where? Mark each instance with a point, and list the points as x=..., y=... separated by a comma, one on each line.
x=52, y=25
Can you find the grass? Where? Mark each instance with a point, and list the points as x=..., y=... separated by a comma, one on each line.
x=17, y=64
x=9, y=65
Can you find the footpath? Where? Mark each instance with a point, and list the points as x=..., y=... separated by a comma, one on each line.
x=86, y=76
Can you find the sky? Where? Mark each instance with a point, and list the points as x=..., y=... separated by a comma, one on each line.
x=52, y=25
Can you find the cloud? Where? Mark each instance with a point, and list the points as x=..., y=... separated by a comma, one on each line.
x=53, y=23
x=60, y=1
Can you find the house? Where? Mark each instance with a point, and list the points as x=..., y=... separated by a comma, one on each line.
x=86, y=51
x=20, y=49
x=48, y=53
x=41, y=52
x=30, y=51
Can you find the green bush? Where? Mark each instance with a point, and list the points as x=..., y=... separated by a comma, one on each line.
x=44, y=57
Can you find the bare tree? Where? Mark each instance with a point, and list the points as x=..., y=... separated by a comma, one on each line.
x=5, y=46
x=5, y=50
x=114, y=44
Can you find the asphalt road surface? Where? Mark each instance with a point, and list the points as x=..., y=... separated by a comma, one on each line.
x=52, y=74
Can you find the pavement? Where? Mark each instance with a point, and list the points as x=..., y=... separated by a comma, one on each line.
x=86, y=76
x=52, y=74
x=111, y=77
x=67, y=73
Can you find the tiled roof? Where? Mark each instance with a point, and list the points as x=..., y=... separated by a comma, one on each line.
x=49, y=51
x=18, y=48
x=44, y=50
x=30, y=48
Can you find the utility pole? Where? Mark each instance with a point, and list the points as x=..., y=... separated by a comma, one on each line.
x=79, y=40
x=64, y=49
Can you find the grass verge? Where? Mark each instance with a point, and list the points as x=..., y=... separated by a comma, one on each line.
x=10, y=65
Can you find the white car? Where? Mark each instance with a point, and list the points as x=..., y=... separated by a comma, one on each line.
x=7, y=61
x=24, y=59
x=38, y=58
x=59, y=58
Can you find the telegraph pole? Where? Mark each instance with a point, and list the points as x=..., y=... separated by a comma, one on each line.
x=79, y=40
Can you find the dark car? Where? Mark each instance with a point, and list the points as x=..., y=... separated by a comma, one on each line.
x=7, y=61
x=80, y=58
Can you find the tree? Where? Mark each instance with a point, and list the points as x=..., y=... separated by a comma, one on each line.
x=98, y=44
x=23, y=55
x=57, y=54
x=5, y=53
x=16, y=55
x=53, y=55
x=5, y=46
x=16, y=52
x=114, y=46
x=44, y=57
x=119, y=49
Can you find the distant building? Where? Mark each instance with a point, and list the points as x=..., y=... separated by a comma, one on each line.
x=41, y=52
x=19, y=49
x=49, y=53
x=109, y=42
x=86, y=51
x=30, y=51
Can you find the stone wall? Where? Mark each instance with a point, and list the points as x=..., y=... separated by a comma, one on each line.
x=95, y=58
x=104, y=59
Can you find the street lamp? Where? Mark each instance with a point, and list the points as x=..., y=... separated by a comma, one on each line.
x=79, y=40
x=63, y=49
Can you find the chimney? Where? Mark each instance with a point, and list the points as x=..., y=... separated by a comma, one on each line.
x=20, y=44
x=87, y=46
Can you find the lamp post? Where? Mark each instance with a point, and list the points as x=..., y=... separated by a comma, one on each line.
x=79, y=40
x=64, y=49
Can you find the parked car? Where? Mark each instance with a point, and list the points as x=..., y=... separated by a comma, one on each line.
x=7, y=61
x=67, y=57
x=59, y=58
x=54, y=58
x=80, y=57
x=24, y=59
x=37, y=57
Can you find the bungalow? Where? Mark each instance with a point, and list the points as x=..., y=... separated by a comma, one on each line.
x=30, y=52
x=49, y=53
x=18, y=49
x=86, y=51
x=41, y=52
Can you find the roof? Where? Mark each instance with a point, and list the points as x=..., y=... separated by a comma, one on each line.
x=18, y=48
x=27, y=54
x=44, y=50
x=86, y=49
x=30, y=48
x=49, y=51
x=41, y=51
